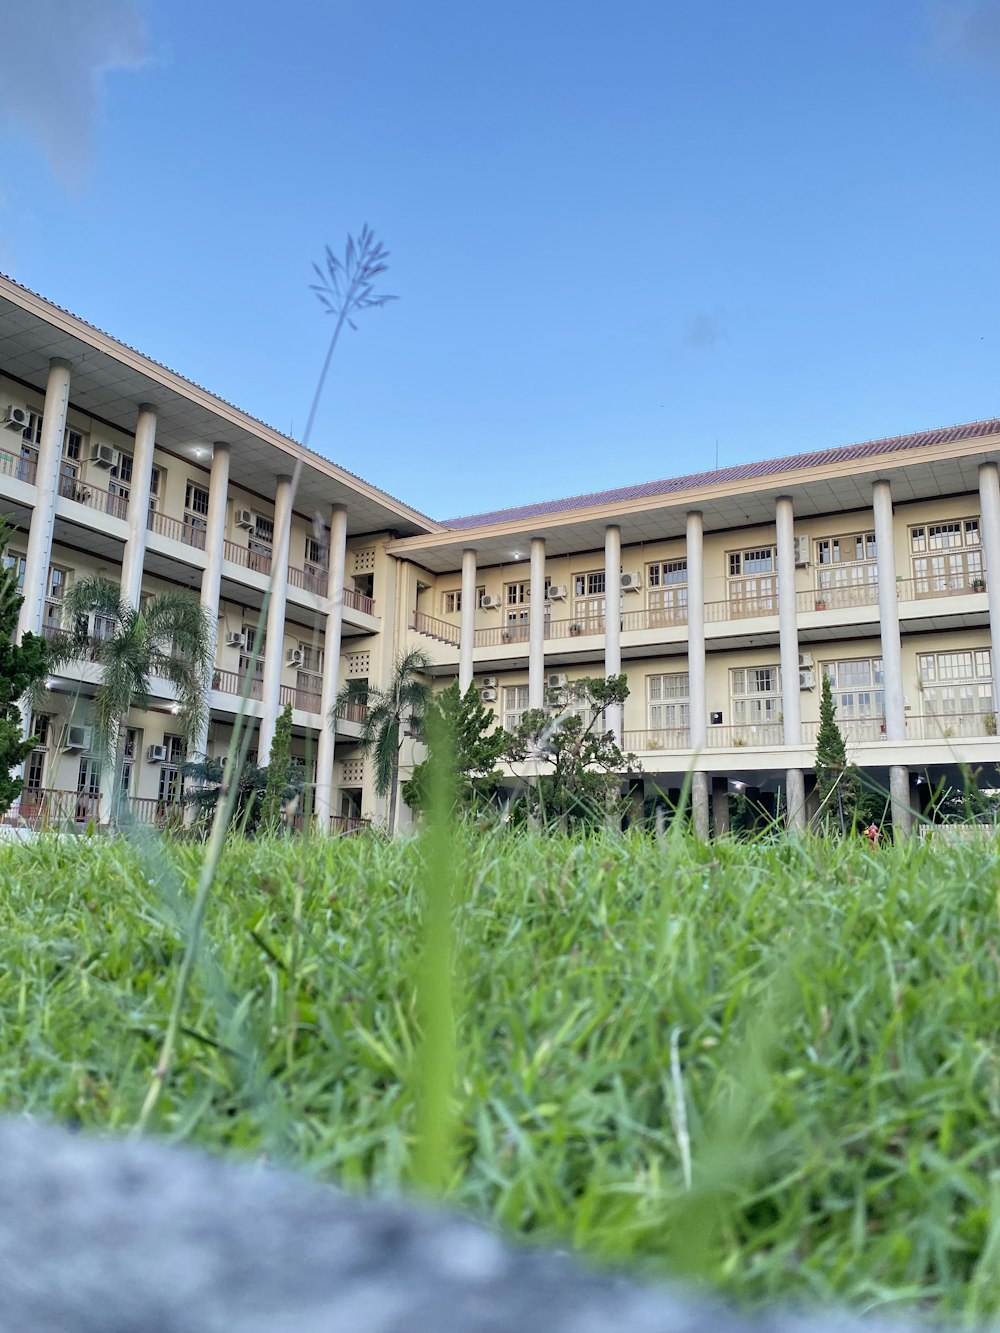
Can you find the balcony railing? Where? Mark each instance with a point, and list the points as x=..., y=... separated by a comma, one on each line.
x=660, y=738
x=359, y=601
x=94, y=497
x=232, y=682
x=258, y=561
x=762, y=734
x=434, y=628
x=841, y=597
x=178, y=530
x=939, y=585
x=309, y=580
x=348, y=824
x=308, y=700
x=48, y=807
x=355, y=713
x=16, y=465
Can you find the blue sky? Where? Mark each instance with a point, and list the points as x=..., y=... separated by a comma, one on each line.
x=628, y=237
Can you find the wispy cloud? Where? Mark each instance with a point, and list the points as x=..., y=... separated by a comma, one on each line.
x=967, y=30
x=68, y=46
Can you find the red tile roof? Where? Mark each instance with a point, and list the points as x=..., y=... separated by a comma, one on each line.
x=745, y=472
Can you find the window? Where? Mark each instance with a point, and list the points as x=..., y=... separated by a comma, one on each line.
x=58, y=582
x=121, y=477
x=947, y=558
x=668, y=593
x=588, y=604
x=195, y=514
x=15, y=561
x=132, y=748
x=669, y=707
x=261, y=544
x=156, y=480
x=858, y=695
x=451, y=602
x=34, y=768
x=836, y=550
x=756, y=695
x=251, y=662
x=170, y=771
x=515, y=703
x=309, y=679
x=73, y=447
x=957, y=688
x=753, y=582
x=32, y=433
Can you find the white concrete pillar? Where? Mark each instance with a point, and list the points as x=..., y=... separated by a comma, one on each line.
x=39, y=550
x=720, y=806
x=699, y=804
x=274, y=641
x=325, y=792
x=892, y=655
x=698, y=705
x=788, y=634
x=138, y=504
x=989, y=527
x=467, y=625
x=613, y=617
x=211, y=578
x=536, y=626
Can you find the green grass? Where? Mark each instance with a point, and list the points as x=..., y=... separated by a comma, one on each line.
x=809, y=1031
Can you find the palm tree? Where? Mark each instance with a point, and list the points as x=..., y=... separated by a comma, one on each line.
x=382, y=732
x=167, y=636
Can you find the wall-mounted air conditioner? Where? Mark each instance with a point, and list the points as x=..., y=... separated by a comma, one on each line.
x=555, y=680
x=631, y=582
x=234, y=639
x=156, y=754
x=490, y=603
x=801, y=552
x=243, y=518
x=102, y=455
x=807, y=680
x=77, y=738
x=556, y=698
x=805, y=660
x=557, y=592
x=489, y=683
x=294, y=657
x=15, y=417
x=489, y=696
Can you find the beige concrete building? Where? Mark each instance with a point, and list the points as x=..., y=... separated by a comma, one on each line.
x=724, y=596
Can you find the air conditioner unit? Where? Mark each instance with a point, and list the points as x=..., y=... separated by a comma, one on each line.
x=801, y=552
x=807, y=680
x=156, y=754
x=556, y=698
x=489, y=696
x=489, y=683
x=294, y=657
x=102, y=455
x=243, y=518
x=234, y=639
x=77, y=738
x=805, y=660
x=557, y=592
x=16, y=418
x=555, y=680
x=631, y=582
x=490, y=603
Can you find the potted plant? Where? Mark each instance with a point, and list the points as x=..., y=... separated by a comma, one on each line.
x=505, y=636
x=990, y=723
x=821, y=602
x=575, y=629
x=978, y=584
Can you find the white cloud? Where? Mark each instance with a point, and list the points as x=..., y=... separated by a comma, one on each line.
x=67, y=46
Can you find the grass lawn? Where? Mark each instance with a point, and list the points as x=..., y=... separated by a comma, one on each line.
x=774, y=1067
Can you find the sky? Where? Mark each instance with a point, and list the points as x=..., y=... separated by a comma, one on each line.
x=630, y=239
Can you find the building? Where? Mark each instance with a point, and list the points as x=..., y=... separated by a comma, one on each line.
x=724, y=596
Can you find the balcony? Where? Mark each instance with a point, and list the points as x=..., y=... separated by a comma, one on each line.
x=661, y=738
x=176, y=529
x=752, y=736
x=232, y=682
x=94, y=497
x=17, y=466
x=311, y=579
x=259, y=562
x=49, y=807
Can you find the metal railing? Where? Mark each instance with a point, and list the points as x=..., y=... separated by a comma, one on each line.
x=259, y=562
x=233, y=682
x=178, y=530
x=16, y=465
x=308, y=700
x=754, y=737
x=94, y=497
x=359, y=601
x=434, y=628
x=659, y=738
x=841, y=597
x=309, y=580
x=348, y=824
x=48, y=807
x=924, y=586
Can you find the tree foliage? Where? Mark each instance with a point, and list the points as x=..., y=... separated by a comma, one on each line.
x=388, y=714
x=278, y=789
x=838, y=783
x=582, y=781
x=22, y=666
x=167, y=636
x=458, y=729
x=208, y=777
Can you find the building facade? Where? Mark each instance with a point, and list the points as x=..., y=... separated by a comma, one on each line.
x=724, y=596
